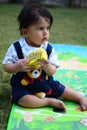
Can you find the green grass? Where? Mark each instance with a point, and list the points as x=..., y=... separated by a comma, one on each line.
x=70, y=26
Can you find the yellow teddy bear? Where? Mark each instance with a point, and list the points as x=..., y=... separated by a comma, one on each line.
x=35, y=74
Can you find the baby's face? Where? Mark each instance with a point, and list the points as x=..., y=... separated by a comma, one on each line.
x=38, y=33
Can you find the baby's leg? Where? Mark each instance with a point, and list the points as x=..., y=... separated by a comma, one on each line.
x=73, y=95
x=32, y=101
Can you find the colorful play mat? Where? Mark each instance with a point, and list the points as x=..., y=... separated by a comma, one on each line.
x=73, y=72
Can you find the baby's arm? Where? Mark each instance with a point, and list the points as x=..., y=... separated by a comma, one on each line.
x=50, y=69
x=19, y=66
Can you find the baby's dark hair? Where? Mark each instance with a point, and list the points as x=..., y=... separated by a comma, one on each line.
x=31, y=14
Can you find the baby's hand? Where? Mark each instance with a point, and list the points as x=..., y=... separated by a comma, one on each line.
x=22, y=65
x=44, y=63
x=49, y=68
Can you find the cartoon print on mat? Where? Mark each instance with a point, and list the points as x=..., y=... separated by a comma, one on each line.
x=28, y=117
x=46, y=117
x=75, y=79
x=72, y=57
x=49, y=119
x=83, y=121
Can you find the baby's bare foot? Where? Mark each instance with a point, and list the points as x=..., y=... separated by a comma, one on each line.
x=56, y=103
x=83, y=103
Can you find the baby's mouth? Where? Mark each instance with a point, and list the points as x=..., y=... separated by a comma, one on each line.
x=44, y=39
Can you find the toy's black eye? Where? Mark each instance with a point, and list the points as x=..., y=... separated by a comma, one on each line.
x=35, y=72
x=38, y=69
x=31, y=71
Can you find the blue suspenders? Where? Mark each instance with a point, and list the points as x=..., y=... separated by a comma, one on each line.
x=19, y=50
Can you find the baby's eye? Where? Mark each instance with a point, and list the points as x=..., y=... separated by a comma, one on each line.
x=40, y=28
x=48, y=28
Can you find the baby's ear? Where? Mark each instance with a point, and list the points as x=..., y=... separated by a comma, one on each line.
x=24, y=32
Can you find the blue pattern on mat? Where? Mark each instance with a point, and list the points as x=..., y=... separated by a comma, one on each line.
x=78, y=50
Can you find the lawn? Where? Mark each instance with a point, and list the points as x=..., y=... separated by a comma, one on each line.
x=70, y=26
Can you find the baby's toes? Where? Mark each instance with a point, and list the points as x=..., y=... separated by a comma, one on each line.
x=62, y=105
x=83, y=108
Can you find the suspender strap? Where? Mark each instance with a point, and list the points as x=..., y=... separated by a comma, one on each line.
x=49, y=49
x=18, y=50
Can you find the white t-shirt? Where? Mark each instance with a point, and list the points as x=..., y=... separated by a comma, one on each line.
x=11, y=55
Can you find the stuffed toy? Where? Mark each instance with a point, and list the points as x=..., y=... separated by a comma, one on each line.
x=37, y=85
x=34, y=57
